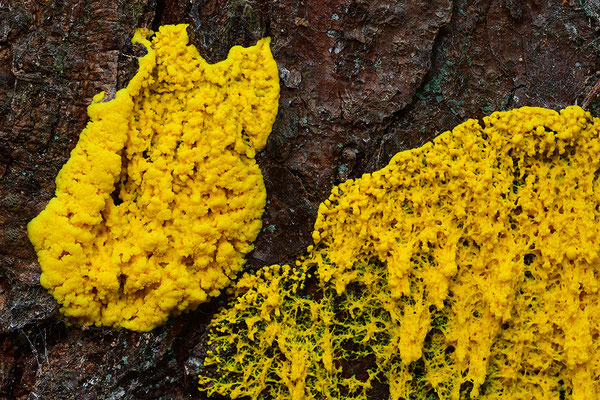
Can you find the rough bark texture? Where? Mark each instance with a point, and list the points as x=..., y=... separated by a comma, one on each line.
x=360, y=81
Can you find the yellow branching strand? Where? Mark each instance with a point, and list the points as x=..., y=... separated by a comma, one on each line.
x=466, y=269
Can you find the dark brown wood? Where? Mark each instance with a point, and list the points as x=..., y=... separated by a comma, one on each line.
x=360, y=81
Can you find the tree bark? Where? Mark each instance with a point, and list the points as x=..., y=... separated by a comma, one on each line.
x=360, y=81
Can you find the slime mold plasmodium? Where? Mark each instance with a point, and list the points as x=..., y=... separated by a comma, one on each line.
x=162, y=197
x=467, y=268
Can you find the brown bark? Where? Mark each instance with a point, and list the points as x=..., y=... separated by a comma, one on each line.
x=360, y=81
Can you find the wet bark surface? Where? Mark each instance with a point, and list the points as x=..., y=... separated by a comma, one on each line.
x=360, y=81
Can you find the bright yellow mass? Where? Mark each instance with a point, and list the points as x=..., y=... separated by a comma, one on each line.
x=162, y=197
x=466, y=268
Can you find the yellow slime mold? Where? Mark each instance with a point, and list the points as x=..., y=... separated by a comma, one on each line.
x=177, y=147
x=465, y=269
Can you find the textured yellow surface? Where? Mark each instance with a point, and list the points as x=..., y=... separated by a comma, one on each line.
x=178, y=144
x=465, y=269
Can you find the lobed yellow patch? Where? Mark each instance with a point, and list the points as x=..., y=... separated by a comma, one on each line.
x=178, y=144
x=467, y=268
